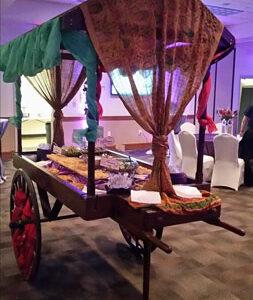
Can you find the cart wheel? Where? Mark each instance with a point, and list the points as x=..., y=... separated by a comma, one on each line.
x=25, y=224
x=137, y=244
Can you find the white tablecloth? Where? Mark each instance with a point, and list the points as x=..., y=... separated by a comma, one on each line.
x=3, y=126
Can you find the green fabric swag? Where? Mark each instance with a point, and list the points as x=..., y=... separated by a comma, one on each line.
x=32, y=52
x=39, y=49
x=80, y=46
x=28, y=55
x=16, y=121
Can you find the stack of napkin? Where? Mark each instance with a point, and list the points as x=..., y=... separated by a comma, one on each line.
x=151, y=197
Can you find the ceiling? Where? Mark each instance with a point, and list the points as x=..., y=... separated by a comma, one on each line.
x=18, y=16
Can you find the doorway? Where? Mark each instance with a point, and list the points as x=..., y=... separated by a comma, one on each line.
x=246, y=98
x=36, y=117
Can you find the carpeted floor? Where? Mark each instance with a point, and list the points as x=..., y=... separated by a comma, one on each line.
x=90, y=260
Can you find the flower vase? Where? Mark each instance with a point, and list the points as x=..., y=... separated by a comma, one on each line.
x=230, y=126
x=223, y=126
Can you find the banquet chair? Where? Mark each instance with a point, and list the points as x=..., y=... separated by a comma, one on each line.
x=190, y=155
x=187, y=126
x=219, y=128
x=175, y=159
x=228, y=168
x=196, y=127
x=150, y=152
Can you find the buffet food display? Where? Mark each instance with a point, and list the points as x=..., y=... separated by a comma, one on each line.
x=121, y=175
x=72, y=166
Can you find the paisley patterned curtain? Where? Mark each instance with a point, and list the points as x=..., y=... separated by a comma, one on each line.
x=156, y=53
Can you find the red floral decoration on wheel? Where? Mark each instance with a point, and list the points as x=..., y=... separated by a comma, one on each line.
x=23, y=237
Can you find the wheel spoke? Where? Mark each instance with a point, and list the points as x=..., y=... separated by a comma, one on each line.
x=26, y=190
x=15, y=187
x=19, y=182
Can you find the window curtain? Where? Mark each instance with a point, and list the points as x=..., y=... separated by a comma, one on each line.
x=156, y=53
x=58, y=86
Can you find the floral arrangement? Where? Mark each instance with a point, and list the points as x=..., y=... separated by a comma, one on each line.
x=227, y=114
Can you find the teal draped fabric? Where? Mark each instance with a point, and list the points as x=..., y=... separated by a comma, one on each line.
x=16, y=120
x=39, y=49
x=28, y=55
x=32, y=52
x=80, y=46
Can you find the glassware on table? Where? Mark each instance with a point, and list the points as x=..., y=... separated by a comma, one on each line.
x=230, y=126
x=124, y=177
x=223, y=126
x=120, y=181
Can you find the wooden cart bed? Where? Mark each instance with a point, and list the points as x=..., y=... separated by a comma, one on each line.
x=141, y=227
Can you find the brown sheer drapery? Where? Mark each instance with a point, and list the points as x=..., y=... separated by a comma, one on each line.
x=156, y=53
x=58, y=86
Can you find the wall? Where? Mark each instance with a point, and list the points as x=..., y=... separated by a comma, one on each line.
x=123, y=128
x=8, y=141
x=221, y=86
x=224, y=84
x=9, y=31
x=31, y=100
x=243, y=68
x=116, y=119
x=6, y=98
x=113, y=106
x=224, y=88
x=7, y=110
x=227, y=88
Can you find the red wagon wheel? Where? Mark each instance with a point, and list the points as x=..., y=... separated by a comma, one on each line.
x=25, y=224
x=137, y=244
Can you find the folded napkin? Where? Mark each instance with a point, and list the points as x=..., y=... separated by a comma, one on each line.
x=42, y=163
x=187, y=191
x=142, y=196
x=97, y=191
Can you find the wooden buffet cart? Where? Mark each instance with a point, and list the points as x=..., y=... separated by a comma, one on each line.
x=142, y=228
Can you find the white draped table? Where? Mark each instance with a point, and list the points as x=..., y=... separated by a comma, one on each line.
x=3, y=126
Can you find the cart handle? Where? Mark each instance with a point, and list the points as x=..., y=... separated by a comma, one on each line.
x=218, y=222
x=149, y=236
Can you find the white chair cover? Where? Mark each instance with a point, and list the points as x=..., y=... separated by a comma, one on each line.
x=219, y=128
x=175, y=159
x=228, y=168
x=197, y=127
x=187, y=126
x=190, y=154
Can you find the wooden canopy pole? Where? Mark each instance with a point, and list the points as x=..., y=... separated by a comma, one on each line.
x=19, y=137
x=91, y=169
x=199, y=172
